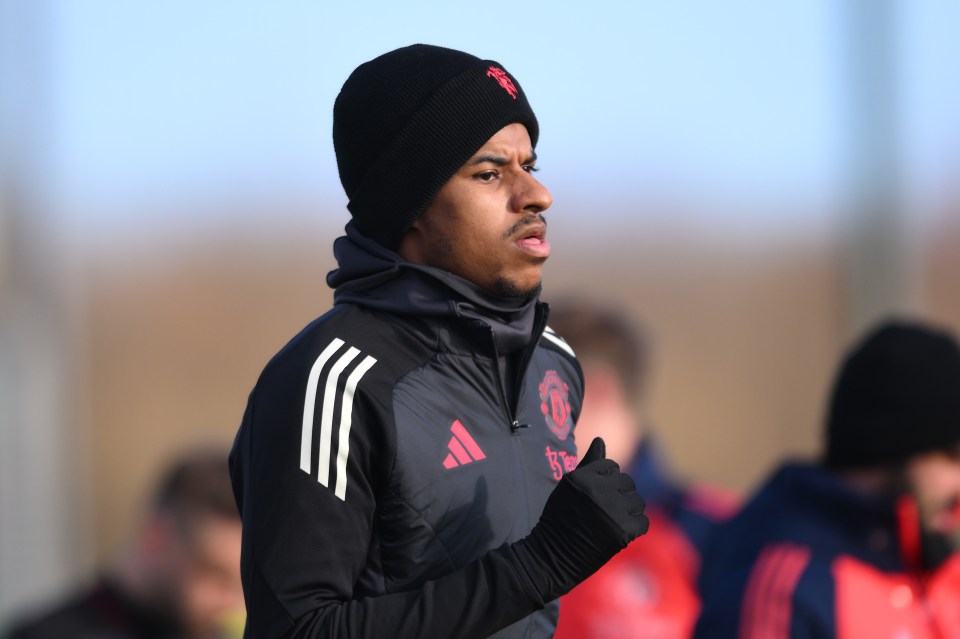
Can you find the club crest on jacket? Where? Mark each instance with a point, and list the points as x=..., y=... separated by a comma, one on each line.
x=555, y=404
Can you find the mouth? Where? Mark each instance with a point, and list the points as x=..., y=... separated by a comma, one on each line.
x=947, y=519
x=951, y=517
x=533, y=241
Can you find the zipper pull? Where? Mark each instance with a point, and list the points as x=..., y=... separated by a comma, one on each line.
x=516, y=426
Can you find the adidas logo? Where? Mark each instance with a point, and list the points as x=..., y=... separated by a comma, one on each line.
x=463, y=448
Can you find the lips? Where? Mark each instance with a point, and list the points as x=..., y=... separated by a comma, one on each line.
x=533, y=240
x=949, y=520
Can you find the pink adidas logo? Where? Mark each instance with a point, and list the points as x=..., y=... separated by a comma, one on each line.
x=463, y=448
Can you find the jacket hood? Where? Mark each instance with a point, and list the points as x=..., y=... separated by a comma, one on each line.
x=375, y=277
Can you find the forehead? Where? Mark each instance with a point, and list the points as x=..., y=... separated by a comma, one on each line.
x=511, y=139
x=933, y=463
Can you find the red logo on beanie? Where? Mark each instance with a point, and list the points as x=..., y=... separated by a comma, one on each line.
x=504, y=80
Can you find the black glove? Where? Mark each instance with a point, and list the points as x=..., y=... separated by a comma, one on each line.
x=592, y=514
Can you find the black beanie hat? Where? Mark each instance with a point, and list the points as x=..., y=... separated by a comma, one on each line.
x=406, y=121
x=897, y=395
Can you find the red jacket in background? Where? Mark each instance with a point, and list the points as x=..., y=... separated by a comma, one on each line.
x=648, y=590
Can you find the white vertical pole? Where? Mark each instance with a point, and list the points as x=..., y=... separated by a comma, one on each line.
x=881, y=263
x=38, y=516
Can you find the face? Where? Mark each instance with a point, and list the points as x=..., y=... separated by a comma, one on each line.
x=206, y=577
x=607, y=412
x=485, y=223
x=934, y=479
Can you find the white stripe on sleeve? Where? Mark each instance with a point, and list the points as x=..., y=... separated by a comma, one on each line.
x=346, y=421
x=326, y=414
x=309, y=403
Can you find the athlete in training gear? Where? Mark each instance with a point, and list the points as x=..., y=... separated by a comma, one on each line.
x=863, y=544
x=406, y=465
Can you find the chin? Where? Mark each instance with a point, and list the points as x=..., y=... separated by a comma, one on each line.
x=516, y=290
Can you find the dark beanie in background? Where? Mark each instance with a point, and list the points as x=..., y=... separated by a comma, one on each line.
x=897, y=395
x=406, y=121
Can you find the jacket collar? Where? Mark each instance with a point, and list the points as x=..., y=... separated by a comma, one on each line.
x=372, y=276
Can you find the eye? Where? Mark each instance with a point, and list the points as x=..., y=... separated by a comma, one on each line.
x=529, y=168
x=486, y=176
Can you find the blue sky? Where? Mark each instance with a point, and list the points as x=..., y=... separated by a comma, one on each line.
x=213, y=99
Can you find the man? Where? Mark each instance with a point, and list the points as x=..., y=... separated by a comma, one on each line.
x=180, y=576
x=858, y=546
x=406, y=465
x=649, y=589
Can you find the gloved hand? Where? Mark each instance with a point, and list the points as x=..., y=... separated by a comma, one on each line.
x=592, y=514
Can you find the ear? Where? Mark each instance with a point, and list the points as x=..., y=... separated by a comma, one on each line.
x=411, y=244
x=602, y=385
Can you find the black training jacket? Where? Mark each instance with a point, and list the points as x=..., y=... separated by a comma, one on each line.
x=391, y=452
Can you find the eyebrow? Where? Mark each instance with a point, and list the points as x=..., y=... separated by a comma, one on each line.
x=498, y=160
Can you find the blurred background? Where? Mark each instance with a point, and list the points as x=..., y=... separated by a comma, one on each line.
x=755, y=182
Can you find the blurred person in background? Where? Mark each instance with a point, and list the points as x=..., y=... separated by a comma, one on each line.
x=179, y=575
x=649, y=589
x=862, y=544
x=406, y=466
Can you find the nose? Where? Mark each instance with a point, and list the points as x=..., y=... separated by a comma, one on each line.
x=532, y=196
